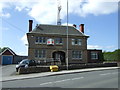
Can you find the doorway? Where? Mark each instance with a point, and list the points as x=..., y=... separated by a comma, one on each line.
x=59, y=55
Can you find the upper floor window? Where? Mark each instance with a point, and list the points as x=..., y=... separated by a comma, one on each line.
x=58, y=41
x=94, y=55
x=76, y=42
x=76, y=54
x=40, y=40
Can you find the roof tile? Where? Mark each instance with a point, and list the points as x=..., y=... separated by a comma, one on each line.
x=56, y=29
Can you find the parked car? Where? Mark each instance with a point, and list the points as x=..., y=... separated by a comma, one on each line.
x=25, y=63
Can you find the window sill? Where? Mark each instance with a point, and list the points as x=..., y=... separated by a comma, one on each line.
x=40, y=43
x=76, y=45
x=76, y=58
x=39, y=58
x=58, y=44
x=94, y=59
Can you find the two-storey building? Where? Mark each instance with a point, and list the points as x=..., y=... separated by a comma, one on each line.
x=49, y=42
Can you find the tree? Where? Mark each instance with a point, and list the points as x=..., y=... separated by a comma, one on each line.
x=112, y=56
x=2, y=49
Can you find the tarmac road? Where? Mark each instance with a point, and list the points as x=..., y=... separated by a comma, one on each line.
x=93, y=79
x=8, y=70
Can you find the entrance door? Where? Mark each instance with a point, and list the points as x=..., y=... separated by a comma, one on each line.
x=59, y=55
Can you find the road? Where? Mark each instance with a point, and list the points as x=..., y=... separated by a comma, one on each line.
x=94, y=79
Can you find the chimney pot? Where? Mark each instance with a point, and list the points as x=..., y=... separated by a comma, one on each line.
x=30, y=25
x=81, y=28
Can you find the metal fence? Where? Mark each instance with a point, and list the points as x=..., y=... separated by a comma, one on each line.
x=49, y=61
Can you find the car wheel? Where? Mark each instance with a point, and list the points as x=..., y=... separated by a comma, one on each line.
x=16, y=69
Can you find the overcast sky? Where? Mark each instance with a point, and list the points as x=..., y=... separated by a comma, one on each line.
x=99, y=16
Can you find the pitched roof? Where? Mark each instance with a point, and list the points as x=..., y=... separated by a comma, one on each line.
x=13, y=53
x=56, y=29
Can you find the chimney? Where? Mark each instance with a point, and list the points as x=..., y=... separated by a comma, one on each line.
x=74, y=25
x=81, y=28
x=30, y=25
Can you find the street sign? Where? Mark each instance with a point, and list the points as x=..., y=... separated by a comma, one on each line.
x=50, y=41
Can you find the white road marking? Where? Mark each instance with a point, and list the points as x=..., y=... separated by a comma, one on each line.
x=105, y=74
x=77, y=78
x=61, y=81
x=109, y=73
x=46, y=83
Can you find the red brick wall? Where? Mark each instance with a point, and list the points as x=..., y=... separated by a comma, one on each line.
x=94, y=60
x=7, y=52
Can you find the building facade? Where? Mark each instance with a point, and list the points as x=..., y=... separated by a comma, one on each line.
x=49, y=42
x=8, y=56
x=95, y=56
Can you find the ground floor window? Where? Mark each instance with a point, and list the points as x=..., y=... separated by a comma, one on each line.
x=76, y=54
x=40, y=53
x=94, y=55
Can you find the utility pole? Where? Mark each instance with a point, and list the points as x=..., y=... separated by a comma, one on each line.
x=58, y=16
x=67, y=38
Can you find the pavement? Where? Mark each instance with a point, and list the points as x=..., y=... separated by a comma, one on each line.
x=45, y=74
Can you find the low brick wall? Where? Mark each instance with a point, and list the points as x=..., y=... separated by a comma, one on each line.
x=118, y=64
x=34, y=69
x=89, y=65
x=38, y=69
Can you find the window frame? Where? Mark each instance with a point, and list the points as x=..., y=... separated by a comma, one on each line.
x=76, y=54
x=79, y=42
x=39, y=53
x=94, y=55
x=40, y=40
x=76, y=41
x=58, y=41
x=36, y=40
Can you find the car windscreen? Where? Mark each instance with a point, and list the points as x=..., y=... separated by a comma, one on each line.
x=24, y=62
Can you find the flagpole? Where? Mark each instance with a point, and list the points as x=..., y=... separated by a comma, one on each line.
x=67, y=37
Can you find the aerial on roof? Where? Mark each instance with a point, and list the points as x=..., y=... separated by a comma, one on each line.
x=56, y=29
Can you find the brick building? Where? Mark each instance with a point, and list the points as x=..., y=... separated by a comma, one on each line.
x=8, y=56
x=49, y=42
x=94, y=56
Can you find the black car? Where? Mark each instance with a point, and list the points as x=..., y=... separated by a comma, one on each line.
x=25, y=63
